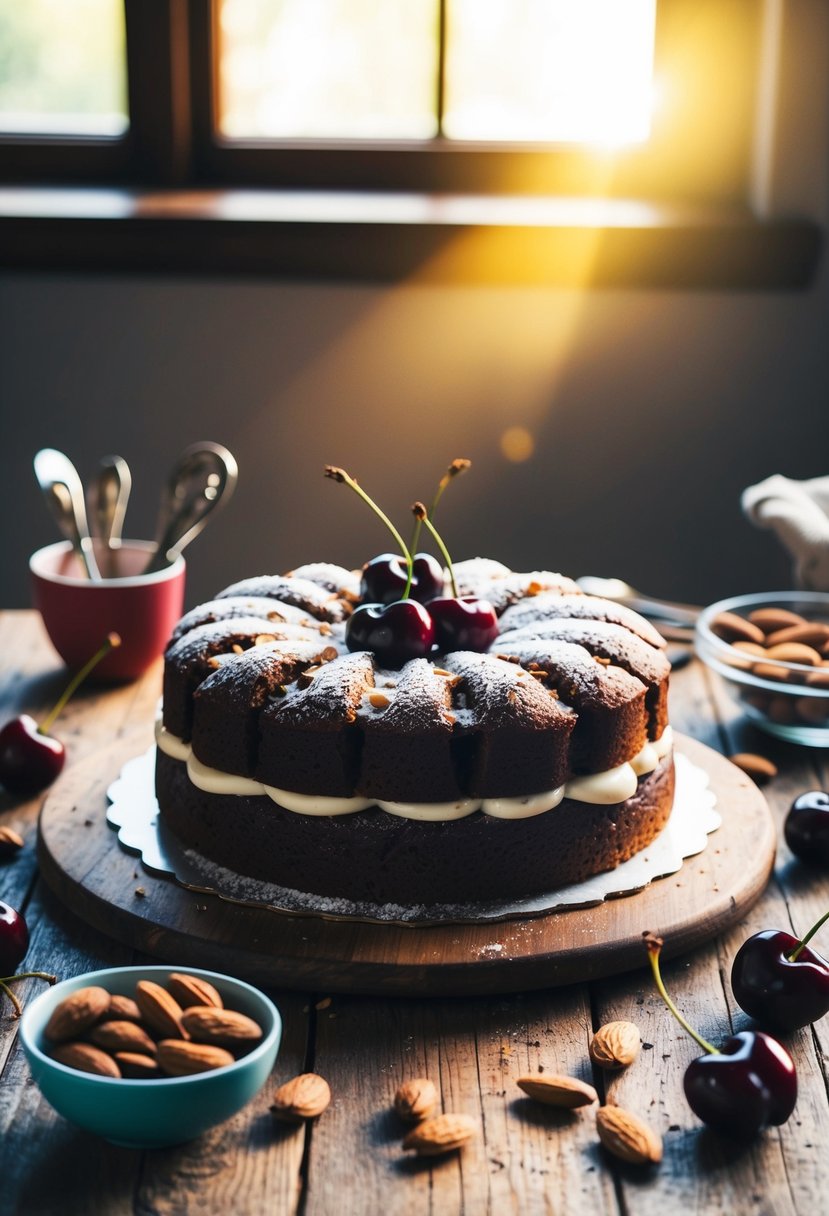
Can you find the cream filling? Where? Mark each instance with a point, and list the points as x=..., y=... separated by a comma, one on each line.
x=601, y=789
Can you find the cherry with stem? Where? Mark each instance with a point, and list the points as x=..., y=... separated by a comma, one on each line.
x=779, y=981
x=30, y=758
x=747, y=1084
x=395, y=632
x=461, y=622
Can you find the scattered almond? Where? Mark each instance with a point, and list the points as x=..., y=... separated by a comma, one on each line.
x=181, y=1058
x=416, y=1099
x=76, y=1013
x=86, y=1058
x=193, y=990
x=566, y=1092
x=303, y=1097
x=11, y=842
x=122, y=1036
x=440, y=1134
x=615, y=1045
x=757, y=767
x=627, y=1137
x=224, y=1027
x=161, y=1010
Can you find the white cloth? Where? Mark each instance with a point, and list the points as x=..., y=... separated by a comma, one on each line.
x=798, y=512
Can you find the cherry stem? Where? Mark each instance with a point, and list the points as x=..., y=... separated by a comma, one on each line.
x=459, y=465
x=804, y=941
x=653, y=945
x=337, y=474
x=29, y=975
x=419, y=512
x=112, y=641
x=18, y=1008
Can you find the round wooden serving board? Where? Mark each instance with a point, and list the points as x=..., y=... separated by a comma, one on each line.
x=89, y=871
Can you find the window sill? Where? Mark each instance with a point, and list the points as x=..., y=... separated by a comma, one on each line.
x=395, y=237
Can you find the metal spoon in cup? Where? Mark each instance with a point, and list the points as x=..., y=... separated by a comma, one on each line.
x=203, y=477
x=108, y=496
x=61, y=486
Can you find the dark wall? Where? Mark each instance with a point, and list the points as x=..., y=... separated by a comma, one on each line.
x=650, y=413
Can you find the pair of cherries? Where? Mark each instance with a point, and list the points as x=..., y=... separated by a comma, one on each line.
x=397, y=630
x=405, y=614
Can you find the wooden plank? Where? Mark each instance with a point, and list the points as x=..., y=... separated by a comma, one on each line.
x=525, y=1158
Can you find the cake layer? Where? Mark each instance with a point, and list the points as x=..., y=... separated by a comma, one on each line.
x=384, y=858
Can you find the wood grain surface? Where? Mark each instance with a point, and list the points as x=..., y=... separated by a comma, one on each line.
x=525, y=1159
x=81, y=860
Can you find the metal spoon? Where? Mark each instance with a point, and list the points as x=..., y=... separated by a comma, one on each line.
x=623, y=593
x=203, y=477
x=108, y=497
x=61, y=485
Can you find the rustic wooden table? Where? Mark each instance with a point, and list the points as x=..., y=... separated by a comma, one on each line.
x=526, y=1159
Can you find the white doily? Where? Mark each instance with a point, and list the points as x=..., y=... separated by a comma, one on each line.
x=134, y=812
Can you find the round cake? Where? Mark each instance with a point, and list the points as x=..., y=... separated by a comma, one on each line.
x=455, y=778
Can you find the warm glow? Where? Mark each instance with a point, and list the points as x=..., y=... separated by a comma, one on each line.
x=517, y=444
x=550, y=70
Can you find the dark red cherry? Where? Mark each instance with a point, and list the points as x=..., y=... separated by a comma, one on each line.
x=747, y=1085
x=807, y=828
x=384, y=578
x=394, y=632
x=29, y=760
x=463, y=624
x=14, y=939
x=776, y=990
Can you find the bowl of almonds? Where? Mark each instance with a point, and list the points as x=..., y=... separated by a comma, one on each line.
x=773, y=652
x=150, y=1056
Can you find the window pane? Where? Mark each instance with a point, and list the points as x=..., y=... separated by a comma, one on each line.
x=63, y=67
x=327, y=68
x=549, y=70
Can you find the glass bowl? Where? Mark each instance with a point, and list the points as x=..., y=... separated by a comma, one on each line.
x=786, y=699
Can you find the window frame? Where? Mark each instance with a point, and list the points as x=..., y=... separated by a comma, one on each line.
x=186, y=202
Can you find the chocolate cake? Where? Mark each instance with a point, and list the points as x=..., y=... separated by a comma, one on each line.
x=460, y=777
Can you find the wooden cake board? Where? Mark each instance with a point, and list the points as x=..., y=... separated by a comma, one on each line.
x=86, y=867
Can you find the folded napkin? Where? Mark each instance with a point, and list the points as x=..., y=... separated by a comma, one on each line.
x=798, y=512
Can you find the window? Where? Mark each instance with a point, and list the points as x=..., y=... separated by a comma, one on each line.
x=408, y=107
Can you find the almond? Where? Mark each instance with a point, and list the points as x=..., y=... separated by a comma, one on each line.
x=733, y=628
x=757, y=767
x=770, y=671
x=224, y=1027
x=818, y=679
x=303, y=1097
x=76, y=1013
x=122, y=1009
x=440, y=1134
x=122, y=1036
x=795, y=652
x=181, y=1058
x=751, y=649
x=615, y=1045
x=193, y=990
x=627, y=1137
x=813, y=709
x=137, y=1067
x=11, y=842
x=416, y=1099
x=807, y=634
x=772, y=619
x=160, y=1010
x=566, y=1092
x=86, y=1058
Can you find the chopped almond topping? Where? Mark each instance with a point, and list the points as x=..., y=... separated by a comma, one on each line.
x=237, y=649
x=262, y=638
x=378, y=700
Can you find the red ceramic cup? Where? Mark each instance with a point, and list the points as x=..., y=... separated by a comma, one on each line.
x=78, y=613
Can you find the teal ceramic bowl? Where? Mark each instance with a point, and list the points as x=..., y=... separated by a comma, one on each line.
x=151, y=1114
